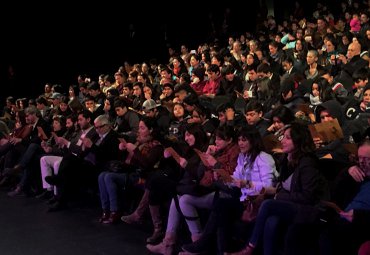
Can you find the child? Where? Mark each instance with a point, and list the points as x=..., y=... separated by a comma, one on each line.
x=355, y=24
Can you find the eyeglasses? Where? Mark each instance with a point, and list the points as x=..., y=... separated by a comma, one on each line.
x=98, y=127
x=364, y=159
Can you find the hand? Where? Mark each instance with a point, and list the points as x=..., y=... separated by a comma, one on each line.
x=229, y=113
x=357, y=174
x=299, y=114
x=342, y=58
x=15, y=140
x=183, y=162
x=87, y=142
x=61, y=141
x=130, y=147
x=240, y=183
x=166, y=153
x=211, y=149
x=47, y=149
x=347, y=215
x=318, y=142
x=245, y=94
x=363, y=106
x=122, y=146
x=210, y=160
x=271, y=128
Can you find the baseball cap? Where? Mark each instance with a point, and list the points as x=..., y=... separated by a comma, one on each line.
x=56, y=95
x=149, y=105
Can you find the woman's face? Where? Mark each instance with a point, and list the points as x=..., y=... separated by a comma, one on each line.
x=366, y=98
x=287, y=142
x=315, y=90
x=143, y=133
x=278, y=124
x=71, y=92
x=298, y=45
x=147, y=90
x=107, y=106
x=56, y=126
x=250, y=59
x=189, y=139
x=63, y=107
x=221, y=143
x=178, y=111
x=329, y=46
x=244, y=145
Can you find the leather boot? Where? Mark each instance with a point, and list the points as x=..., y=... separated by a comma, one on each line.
x=166, y=247
x=137, y=215
x=246, y=251
x=158, y=234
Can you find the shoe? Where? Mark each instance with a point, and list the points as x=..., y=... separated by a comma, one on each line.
x=52, y=200
x=114, y=218
x=201, y=246
x=46, y=195
x=104, y=217
x=57, y=206
x=52, y=179
x=4, y=181
x=18, y=191
x=17, y=169
x=132, y=219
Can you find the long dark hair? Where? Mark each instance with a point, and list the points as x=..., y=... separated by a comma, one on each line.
x=200, y=136
x=255, y=140
x=302, y=140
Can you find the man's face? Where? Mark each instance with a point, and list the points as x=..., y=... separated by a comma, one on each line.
x=364, y=158
x=325, y=116
x=83, y=122
x=253, y=117
x=30, y=118
x=126, y=91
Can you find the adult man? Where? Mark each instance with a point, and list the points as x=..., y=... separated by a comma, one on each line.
x=73, y=166
x=351, y=192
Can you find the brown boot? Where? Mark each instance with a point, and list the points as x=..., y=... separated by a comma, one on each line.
x=158, y=233
x=166, y=247
x=137, y=215
x=246, y=251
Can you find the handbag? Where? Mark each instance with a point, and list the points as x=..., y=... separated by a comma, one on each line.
x=117, y=166
x=251, y=206
x=207, y=178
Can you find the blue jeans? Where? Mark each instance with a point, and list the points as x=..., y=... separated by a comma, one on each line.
x=109, y=186
x=271, y=214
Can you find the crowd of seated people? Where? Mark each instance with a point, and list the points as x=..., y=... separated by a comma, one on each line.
x=282, y=113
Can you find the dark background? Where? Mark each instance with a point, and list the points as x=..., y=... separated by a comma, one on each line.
x=56, y=42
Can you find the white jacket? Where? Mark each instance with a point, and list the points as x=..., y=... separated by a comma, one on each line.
x=262, y=174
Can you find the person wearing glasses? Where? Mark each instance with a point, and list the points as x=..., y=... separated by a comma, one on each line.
x=352, y=193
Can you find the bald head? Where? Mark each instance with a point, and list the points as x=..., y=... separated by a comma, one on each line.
x=354, y=49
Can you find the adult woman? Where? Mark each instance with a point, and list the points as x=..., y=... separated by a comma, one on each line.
x=255, y=172
x=280, y=116
x=300, y=188
x=21, y=131
x=161, y=186
x=143, y=155
x=222, y=155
